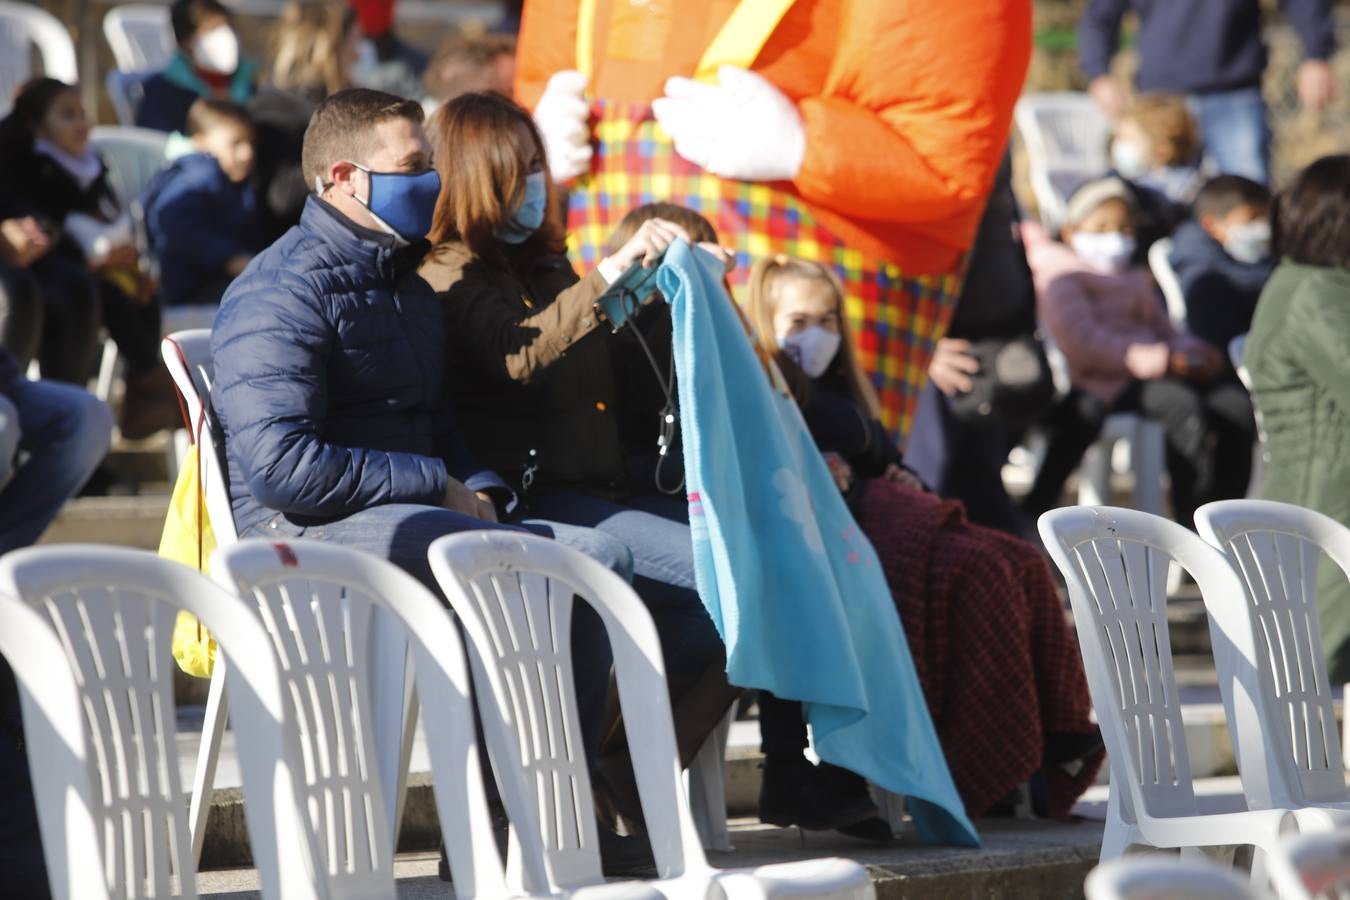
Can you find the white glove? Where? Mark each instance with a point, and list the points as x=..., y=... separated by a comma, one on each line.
x=563, y=117
x=743, y=128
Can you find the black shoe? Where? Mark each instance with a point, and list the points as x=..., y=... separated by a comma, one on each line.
x=816, y=798
x=625, y=855
x=876, y=830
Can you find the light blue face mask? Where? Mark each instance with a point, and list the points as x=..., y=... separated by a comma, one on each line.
x=527, y=218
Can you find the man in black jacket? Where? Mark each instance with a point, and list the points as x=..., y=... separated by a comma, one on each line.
x=1211, y=51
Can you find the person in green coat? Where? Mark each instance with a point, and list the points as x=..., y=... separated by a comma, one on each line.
x=1298, y=355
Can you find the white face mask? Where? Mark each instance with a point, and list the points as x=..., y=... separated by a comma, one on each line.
x=1107, y=252
x=217, y=50
x=811, y=348
x=1249, y=242
x=1128, y=158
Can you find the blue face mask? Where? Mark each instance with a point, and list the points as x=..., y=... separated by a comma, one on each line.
x=403, y=202
x=527, y=218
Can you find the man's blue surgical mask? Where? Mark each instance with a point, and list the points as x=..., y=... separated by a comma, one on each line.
x=529, y=215
x=403, y=203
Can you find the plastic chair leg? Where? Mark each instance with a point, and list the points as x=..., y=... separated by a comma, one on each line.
x=1148, y=458
x=707, y=787
x=107, y=371
x=208, y=753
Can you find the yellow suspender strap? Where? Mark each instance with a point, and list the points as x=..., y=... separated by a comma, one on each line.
x=737, y=44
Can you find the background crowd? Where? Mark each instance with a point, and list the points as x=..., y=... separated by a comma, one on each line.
x=405, y=347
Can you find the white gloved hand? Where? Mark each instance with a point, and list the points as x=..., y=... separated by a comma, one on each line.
x=563, y=118
x=742, y=128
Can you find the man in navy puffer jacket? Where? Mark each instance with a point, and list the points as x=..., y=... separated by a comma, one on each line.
x=329, y=375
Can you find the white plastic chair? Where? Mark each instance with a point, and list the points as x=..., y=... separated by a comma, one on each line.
x=1160, y=264
x=1148, y=460
x=1066, y=137
x=133, y=156
x=1115, y=562
x=192, y=372
x=57, y=758
x=1293, y=757
x=23, y=25
x=1155, y=877
x=318, y=599
x=113, y=610
x=140, y=35
x=1312, y=867
x=513, y=594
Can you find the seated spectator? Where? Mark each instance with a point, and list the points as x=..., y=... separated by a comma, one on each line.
x=388, y=63
x=1222, y=258
x=467, y=63
x=48, y=168
x=1156, y=145
x=1124, y=355
x=330, y=373
x=1300, y=372
x=207, y=64
x=313, y=49
x=984, y=621
x=22, y=243
x=530, y=376
x=200, y=211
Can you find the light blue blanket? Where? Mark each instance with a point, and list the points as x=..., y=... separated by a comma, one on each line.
x=794, y=587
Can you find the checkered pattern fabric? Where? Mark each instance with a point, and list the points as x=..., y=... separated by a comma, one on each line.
x=897, y=317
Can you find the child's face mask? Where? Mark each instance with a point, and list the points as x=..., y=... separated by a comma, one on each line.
x=812, y=348
x=1129, y=158
x=1107, y=252
x=1248, y=242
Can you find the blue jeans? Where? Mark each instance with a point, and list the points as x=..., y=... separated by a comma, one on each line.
x=402, y=532
x=663, y=568
x=66, y=432
x=1235, y=131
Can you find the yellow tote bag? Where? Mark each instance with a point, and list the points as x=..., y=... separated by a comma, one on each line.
x=188, y=539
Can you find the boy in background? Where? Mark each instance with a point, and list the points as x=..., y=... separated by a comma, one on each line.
x=200, y=212
x=1222, y=258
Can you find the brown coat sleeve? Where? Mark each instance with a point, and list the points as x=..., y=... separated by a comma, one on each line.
x=490, y=326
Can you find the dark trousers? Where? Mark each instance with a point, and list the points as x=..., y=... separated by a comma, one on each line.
x=782, y=725
x=963, y=461
x=1210, y=429
x=70, y=318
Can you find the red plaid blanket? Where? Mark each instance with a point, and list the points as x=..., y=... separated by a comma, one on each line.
x=998, y=663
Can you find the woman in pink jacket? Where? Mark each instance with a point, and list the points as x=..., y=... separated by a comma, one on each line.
x=1125, y=355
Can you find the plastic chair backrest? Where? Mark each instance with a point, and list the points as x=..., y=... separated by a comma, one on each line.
x=1116, y=562
x=322, y=630
x=1151, y=877
x=140, y=35
x=1160, y=264
x=513, y=593
x=133, y=156
x=296, y=568
x=1312, y=866
x=193, y=381
x=57, y=760
x=126, y=92
x=1063, y=129
x=1276, y=547
x=1052, y=188
x=113, y=611
x=25, y=24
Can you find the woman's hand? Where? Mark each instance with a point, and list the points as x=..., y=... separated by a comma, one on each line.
x=952, y=365
x=904, y=476
x=647, y=245
x=840, y=471
x=725, y=254
x=1148, y=361
x=22, y=241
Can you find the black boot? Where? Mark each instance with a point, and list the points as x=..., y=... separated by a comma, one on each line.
x=817, y=798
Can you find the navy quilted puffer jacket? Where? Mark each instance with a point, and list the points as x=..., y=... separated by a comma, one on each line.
x=329, y=378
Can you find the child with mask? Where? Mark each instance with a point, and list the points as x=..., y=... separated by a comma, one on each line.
x=1222, y=258
x=984, y=622
x=207, y=64
x=200, y=212
x=1124, y=355
x=1156, y=145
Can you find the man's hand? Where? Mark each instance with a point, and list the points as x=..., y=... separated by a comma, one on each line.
x=563, y=119
x=460, y=499
x=952, y=365
x=1316, y=84
x=743, y=127
x=22, y=241
x=487, y=510
x=1148, y=361
x=1108, y=93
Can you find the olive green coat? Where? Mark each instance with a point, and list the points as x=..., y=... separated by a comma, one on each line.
x=1298, y=354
